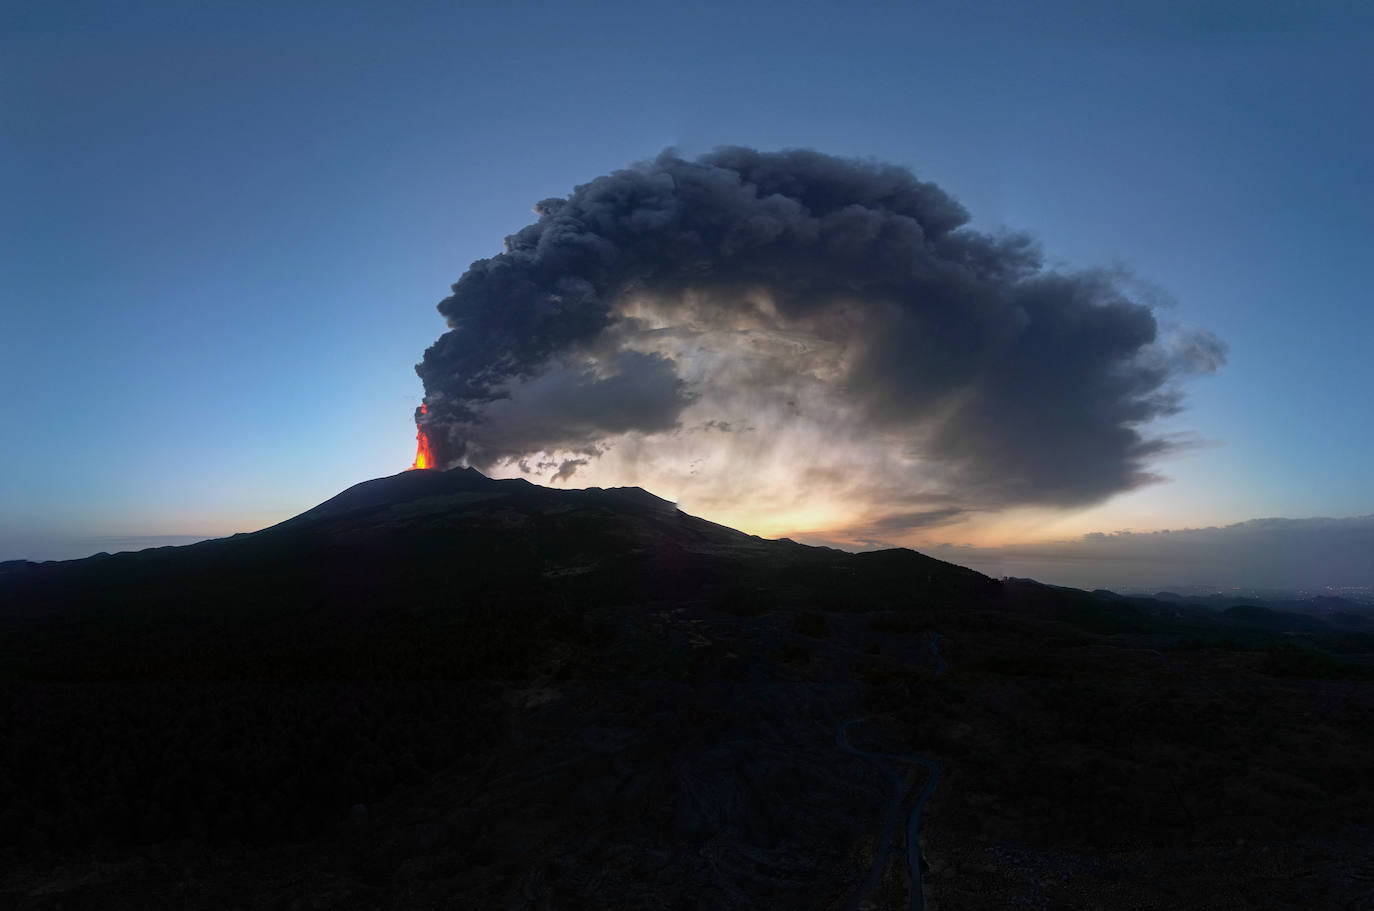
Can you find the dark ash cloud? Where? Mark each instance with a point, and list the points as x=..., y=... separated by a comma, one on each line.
x=566, y=469
x=781, y=291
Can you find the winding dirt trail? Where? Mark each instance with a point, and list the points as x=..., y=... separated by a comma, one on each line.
x=913, y=827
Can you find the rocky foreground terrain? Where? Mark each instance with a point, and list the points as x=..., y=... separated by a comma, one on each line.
x=442, y=691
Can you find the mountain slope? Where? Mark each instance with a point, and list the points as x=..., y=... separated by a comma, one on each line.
x=448, y=546
x=439, y=690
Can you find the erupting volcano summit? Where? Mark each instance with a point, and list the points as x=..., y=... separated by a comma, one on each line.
x=424, y=451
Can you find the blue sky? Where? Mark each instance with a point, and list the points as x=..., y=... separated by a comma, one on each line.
x=226, y=225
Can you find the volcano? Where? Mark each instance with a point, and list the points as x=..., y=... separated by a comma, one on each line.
x=449, y=540
x=437, y=689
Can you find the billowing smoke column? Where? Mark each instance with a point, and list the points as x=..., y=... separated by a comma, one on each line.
x=803, y=316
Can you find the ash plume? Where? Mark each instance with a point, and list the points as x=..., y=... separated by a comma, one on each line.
x=810, y=319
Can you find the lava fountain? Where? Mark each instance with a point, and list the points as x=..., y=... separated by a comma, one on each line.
x=424, y=449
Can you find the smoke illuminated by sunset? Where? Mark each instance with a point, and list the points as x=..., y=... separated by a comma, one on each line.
x=799, y=343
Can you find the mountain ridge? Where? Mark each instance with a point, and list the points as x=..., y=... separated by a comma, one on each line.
x=438, y=690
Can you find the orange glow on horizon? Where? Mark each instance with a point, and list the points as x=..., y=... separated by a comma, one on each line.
x=424, y=450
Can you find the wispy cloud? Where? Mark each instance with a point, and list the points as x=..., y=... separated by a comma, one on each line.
x=1261, y=553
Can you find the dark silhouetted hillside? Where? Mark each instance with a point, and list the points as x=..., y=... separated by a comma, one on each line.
x=442, y=690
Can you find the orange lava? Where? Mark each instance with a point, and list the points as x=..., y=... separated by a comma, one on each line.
x=424, y=450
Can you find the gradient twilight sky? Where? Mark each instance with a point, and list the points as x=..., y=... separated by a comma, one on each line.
x=226, y=225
